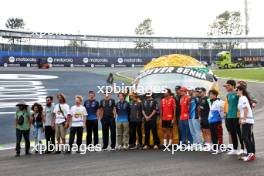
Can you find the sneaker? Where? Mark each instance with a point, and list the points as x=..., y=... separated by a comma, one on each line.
x=125, y=147
x=132, y=147
x=232, y=152
x=104, y=149
x=250, y=157
x=145, y=147
x=112, y=149
x=58, y=152
x=119, y=147
x=67, y=152
x=240, y=152
x=242, y=157
x=139, y=146
x=216, y=152
x=155, y=147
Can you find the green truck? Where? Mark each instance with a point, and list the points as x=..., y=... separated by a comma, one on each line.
x=225, y=60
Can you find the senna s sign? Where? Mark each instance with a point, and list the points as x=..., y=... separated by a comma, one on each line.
x=199, y=73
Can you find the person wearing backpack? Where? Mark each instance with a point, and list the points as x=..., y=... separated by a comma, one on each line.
x=22, y=123
x=61, y=115
x=37, y=119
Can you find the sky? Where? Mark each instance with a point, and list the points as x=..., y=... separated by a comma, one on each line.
x=120, y=17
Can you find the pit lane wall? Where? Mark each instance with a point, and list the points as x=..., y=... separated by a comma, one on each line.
x=16, y=59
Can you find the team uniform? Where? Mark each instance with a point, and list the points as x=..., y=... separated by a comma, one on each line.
x=232, y=120
x=122, y=110
x=215, y=121
x=148, y=106
x=184, y=119
x=91, y=121
x=168, y=108
x=108, y=122
x=135, y=121
x=194, y=122
x=204, y=109
x=78, y=116
x=178, y=114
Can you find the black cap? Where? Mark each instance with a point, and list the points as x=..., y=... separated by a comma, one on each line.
x=231, y=82
x=198, y=89
x=203, y=89
x=177, y=87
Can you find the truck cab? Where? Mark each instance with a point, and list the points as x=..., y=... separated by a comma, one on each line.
x=224, y=60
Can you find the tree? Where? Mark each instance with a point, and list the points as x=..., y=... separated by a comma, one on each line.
x=226, y=24
x=144, y=28
x=15, y=23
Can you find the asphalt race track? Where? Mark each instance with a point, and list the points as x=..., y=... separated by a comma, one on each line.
x=115, y=163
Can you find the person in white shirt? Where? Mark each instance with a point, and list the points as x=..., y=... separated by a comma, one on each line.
x=77, y=121
x=49, y=128
x=247, y=121
x=61, y=119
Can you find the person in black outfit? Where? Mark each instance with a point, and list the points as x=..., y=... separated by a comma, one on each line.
x=203, y=113
x=135, y=121
x=178, y=110
x=110, y=79
x=149, y=111
x=92, y=107
x=107, y=107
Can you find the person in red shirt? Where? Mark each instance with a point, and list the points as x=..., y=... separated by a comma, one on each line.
x=167, y=111
x=184, y=117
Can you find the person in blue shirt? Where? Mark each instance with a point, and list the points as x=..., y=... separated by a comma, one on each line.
x=92, y=107
x=194, y=122
x=122, y=111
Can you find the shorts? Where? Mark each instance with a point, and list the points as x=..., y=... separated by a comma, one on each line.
x=205, y=125
x=167, y=124
x=60, y=131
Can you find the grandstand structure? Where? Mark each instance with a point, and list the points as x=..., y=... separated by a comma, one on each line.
x=26, y=48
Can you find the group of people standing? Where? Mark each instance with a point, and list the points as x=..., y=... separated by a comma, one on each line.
x=198, y=119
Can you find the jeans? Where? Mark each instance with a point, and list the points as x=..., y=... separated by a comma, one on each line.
x=37, y=133
x=122, y=133
x=135, y=129
x=247, y=137
x=25, y=134
x=92, y=128
x=109, y=124
x=195, y=129
x=49, y=135
x=151, y=125
x=79, y=132
x=234, y=127
x=216, y=130
x=185, y=132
